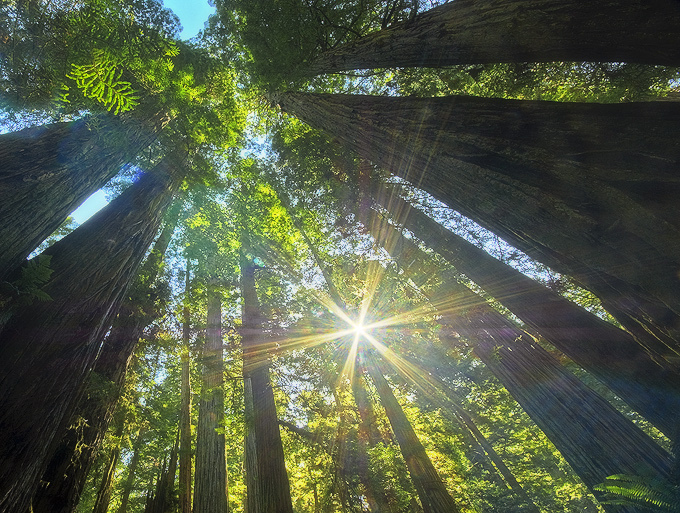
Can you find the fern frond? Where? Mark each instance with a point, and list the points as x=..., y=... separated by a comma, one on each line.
x=101, y=81
x=647, y=492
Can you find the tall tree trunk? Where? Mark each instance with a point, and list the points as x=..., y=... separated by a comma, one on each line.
x=49, y=348
x=48, y=171
x=593, y=437
x=185, y=409
x=431, y=490
x=376, y=496
x=609, y=353
x=161, y=500
x=64, y=479
x=132, y=471
x=101, y=504
x=210, y=494
x=588, y=189
x=473, y=31
x=251, y=468
x=273, y=489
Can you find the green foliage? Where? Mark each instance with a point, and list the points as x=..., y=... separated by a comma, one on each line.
x=102, y=82
x=648, y=493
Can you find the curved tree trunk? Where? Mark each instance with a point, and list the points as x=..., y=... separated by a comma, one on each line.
x=431, y=490
x=588, y=189
x=49, y=347
x=485, y=31
x=607, y=352
x=210, y=485
x=272, y=487
x=48, y=171
x=593, y=437
x=66, y=474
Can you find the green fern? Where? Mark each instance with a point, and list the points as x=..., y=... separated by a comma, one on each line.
x=102, y=82
x=650, y=493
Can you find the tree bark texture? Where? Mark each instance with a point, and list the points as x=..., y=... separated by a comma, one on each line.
x=368, y=436
x=48, y=171
x=161, y=500
x=593, y=437
x=185, y=454
x=481, y=32
x=588, y=189
x=428, y=484
x=101, y=504
x=607, y=352
x=273, y=488
x=66, y=474
x=131, y=472
x=210, y=492
x=49, y=348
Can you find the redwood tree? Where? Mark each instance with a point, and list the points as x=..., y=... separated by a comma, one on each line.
x=593, y=437
x=272, y=489
x=603, y=173
x=210, y=493
x=609, y=353
x=48, y=171
x=474, y=31
x=49, y=347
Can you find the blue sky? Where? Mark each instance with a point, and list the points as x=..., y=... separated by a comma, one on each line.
x=192, y=14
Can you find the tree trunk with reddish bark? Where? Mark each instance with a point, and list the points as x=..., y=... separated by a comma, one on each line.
x=50, y=347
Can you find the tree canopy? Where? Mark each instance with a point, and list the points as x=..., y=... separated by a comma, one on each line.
x=360, y=256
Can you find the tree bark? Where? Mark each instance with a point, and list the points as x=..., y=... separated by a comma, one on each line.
x=66, y=474
x=101, y=504
x=185, y=409
x=588, y=189
x=481, y=32
x=49, y=347
x=593, y=437
x=609, y=353
x=210, y=493
x=132, y=470
x=161, y=500
x=273, y=489
x=48, y=171
x=428, y=484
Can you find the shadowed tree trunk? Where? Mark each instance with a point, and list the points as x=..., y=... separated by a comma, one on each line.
x=66, y=474
x=161, y=500
x=210, y=493
x=593, y=437
x=428, y=484
x=48, y=171
x=131, y=472
x=480, y=32
x=251, y=468
x=50, y=347
x=609, y=353
x=101, y=504
x=272, y=486
x=605, y=174
x=185, y=409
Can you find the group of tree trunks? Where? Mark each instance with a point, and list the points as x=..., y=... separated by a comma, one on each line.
x=50, y=347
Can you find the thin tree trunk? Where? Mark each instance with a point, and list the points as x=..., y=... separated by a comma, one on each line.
x=210, y=494
x=593, y=437
x=48, y=171
x=609, y=353
x=49, y=347
x=273, y=489
x=66, y=474
x=474, y=31
x=430, y=488
x=251, y=467
x=101, y=504
x=132, y=470
x=161, y=500
x=605, y=174
x=185, y=409
x=376, y=496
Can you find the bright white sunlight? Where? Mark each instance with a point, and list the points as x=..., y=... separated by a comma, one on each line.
x=320, y=256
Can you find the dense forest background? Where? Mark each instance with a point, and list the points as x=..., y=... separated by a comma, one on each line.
x=359, y=256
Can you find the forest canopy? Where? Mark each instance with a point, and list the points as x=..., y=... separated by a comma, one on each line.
x=358, y=256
